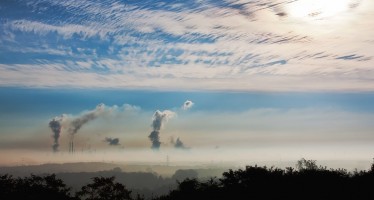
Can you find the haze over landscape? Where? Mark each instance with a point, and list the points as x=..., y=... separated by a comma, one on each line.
x=187, y=83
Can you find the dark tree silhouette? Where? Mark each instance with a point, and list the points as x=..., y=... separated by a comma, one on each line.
x=104, y=188
x=7, y=186
x=308, y=181
x=33, y=187
x=303, y=164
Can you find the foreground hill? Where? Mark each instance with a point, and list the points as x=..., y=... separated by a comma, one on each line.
x=140, y=178
x=306, y=181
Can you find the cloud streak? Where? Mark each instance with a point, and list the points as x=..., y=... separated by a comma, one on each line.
x=189, y=46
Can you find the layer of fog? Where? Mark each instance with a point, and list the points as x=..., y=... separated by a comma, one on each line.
x=254, y=136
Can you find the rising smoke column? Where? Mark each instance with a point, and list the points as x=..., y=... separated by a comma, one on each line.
x=77, y=123
x=55, y=125
x=72, y=125
x=159, y=119
x=179, y=144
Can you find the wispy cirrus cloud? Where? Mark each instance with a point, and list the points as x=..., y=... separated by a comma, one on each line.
x=67, y=30
x=232, y=45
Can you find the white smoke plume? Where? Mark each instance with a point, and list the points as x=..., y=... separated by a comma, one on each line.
x=187, y=105
x=73, y=124
x=78, y=122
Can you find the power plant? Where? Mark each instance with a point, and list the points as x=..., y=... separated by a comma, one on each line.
x=72, y=126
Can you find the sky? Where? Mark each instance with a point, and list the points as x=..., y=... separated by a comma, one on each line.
x=253, y=80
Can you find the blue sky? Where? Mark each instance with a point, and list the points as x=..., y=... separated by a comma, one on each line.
x=225, y=45
x=261, y=74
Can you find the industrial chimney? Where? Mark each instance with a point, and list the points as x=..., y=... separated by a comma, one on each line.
x=71, y=146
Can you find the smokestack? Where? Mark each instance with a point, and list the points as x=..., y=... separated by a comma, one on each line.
x=71, y=145
x=76, y=124
x=159, y=119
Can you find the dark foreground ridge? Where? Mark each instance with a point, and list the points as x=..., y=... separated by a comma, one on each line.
x=306, y=181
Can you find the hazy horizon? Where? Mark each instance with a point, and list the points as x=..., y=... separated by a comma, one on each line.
x=232, y=81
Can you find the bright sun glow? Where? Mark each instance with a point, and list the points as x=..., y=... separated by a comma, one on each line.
x=317, y=9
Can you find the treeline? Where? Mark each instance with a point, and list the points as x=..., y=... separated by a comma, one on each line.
x=51, y=188
x=306, y=181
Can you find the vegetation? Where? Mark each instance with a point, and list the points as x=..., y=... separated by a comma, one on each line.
x=33, y=187
x=306, y=181
x=104, y=189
